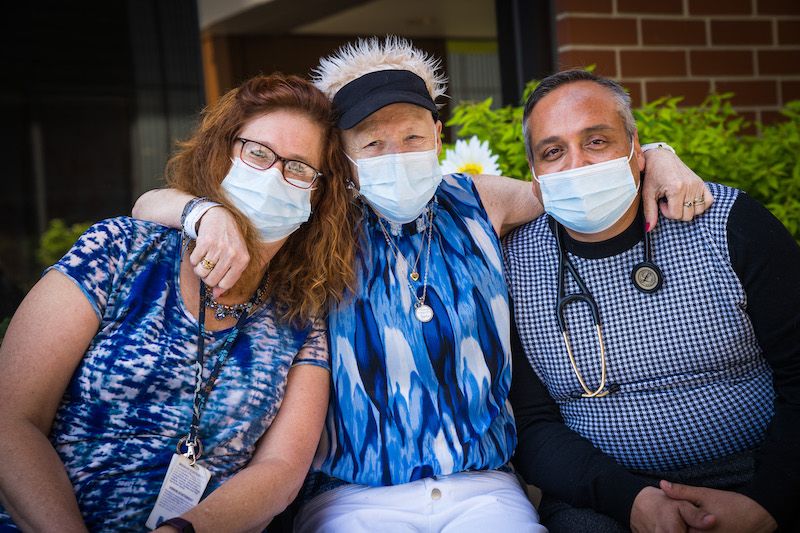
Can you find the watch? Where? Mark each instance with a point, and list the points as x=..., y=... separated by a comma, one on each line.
x=181, y=524
x=653, y=146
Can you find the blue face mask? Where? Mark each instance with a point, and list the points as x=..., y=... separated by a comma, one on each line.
x=592, y=198
x=274, y=207
x=399, y=186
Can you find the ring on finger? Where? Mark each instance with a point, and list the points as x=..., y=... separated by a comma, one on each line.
x=699, y=200
x=690, y=203
x=208, y=265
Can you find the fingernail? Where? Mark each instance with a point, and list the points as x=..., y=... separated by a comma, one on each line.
x=668, y=484
x=646, y=227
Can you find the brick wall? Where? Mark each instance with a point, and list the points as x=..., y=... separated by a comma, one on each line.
x=688, y=48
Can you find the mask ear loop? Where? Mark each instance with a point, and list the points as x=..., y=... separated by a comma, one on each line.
x=350, y=183
x=630, y=155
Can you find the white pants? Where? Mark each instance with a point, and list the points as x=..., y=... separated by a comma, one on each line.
x=480, y=502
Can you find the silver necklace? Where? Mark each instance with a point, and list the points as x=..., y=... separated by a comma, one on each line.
x=223, y=311
x=422, y=311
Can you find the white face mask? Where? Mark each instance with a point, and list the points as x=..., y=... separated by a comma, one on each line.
x=592, y=198
x=399, y=186
x=274, y=207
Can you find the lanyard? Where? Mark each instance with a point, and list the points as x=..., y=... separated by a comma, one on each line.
x=194, y=448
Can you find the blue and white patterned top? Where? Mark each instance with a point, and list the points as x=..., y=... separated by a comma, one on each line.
x=412, y=399
x=130, y=398
x=692, y=382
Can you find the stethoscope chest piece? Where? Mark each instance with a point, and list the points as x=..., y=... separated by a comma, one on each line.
x=647, y=277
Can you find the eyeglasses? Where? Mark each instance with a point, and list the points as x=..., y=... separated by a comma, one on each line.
x=295, y=173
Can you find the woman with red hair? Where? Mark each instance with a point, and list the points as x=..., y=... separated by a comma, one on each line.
x=128, y=391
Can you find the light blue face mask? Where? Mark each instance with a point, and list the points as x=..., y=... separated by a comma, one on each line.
x=274, y=207
x=592, y=198
x=399, y=186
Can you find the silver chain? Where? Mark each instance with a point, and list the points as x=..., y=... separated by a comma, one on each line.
x=397, y=254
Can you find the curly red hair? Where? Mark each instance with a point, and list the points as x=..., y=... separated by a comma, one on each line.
x=315, y=265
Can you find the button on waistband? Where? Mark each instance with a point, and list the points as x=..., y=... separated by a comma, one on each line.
x=436, y=494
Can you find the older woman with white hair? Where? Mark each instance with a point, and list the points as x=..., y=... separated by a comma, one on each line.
x=419, y=431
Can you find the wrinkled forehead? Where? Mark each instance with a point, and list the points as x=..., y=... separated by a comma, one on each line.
x=574, y=108
x=392, y=120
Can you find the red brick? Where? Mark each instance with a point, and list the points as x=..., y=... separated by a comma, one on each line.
x=750, y=117
x=636, y=63
x=694, y=92
x=750, y=93
x=596, y=30
x=634, y=89
x=741, y=32
x=771, y=117
x=720, y=7
x=790, y=90
x=778, y=7
x=606, y=63
x=674, y=32
x=779, y=61
x=638, y=6
x=583, y=6
x=789, y=32
x=722, y=62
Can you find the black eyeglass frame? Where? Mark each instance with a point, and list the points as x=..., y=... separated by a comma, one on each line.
x=278, y=157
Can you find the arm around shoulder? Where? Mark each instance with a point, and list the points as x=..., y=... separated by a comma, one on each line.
x=162, y=206
x=673, y=188
x=219, y=238
x=508, y=202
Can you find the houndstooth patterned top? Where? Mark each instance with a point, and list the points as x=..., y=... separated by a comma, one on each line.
x=692, y=384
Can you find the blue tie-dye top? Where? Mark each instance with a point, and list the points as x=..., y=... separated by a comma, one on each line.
x=130, y=398
x=412, y=399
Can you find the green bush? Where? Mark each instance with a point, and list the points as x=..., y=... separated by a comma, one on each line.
x=709, y=138
x=57, y=239
x=501, y=128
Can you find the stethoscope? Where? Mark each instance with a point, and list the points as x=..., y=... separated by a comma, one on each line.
x=646, y=277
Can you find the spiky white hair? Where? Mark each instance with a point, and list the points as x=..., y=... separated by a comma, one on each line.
x=354, y=60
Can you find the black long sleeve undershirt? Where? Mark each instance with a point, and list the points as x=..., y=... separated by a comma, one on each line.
x=559, y=461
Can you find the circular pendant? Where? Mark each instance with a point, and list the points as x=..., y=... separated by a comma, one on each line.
x=414, y=276
x=424, y=313
x=647, y=277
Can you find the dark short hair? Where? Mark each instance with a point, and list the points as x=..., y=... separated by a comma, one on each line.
x=551, y=83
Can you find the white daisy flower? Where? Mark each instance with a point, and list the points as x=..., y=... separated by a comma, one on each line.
x=470, y=157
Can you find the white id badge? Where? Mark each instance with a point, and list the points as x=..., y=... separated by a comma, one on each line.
x=182, y=489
